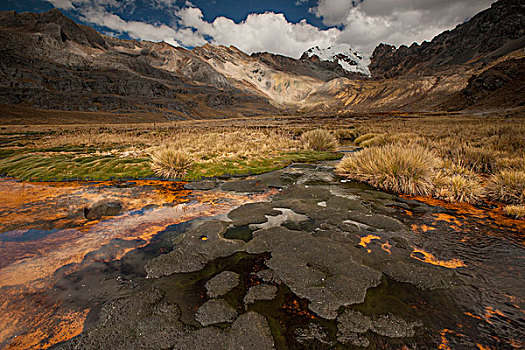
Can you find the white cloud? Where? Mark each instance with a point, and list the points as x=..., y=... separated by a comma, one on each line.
x=144, y=31
x=362, y=23
x=370, y=22
x=259, y=32
x=136, y=30
x=62, y=4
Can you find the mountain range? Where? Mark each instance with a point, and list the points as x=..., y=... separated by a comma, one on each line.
x=50, y=65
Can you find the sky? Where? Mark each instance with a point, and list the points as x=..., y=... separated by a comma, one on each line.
x=286, y=27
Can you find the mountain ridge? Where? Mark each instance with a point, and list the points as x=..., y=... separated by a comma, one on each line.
x=49, y=62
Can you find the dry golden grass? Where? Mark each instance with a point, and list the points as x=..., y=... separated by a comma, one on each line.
x=242, y=143
x=346, y=134
x=458, y=188
x=517, y=211
x=396, y=168
x=478, y=159
x=170, y=162
x=319, y=140
x=508, y=186
x=468, y=149
x=372, y=139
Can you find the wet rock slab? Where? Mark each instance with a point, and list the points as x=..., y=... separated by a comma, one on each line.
x=245, y=186
x=352, y=326
x=103, y=208
x=323, y=242
x=319, y=270
x=222, y=284
x=252, y=213
x=260, y=292
x=203, y=185
x=313, y=332
x=215, y=311
x=146, y=321
x=194, y=250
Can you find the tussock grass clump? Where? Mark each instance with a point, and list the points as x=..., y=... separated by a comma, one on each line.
x=508, y=186
x=371, y=139
x=346, y=134
x=319, y=140
x=458, y=188
x=400, y=169
x=169, y=162
x=480, y=160
x=517, y=211
x=365, y=137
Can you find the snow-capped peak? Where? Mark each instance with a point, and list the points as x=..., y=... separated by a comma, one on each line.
x=349, y=58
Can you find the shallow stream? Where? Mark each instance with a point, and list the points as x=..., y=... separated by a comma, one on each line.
x=57, y=268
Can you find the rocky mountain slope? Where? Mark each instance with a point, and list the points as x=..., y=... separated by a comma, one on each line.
x=49, y=62
x=490, y=34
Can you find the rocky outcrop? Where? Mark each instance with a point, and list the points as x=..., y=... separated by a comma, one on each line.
x=309, y=66
x=496, y=86
x=490, y=34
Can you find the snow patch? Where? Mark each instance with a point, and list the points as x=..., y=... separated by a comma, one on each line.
x=348, y=58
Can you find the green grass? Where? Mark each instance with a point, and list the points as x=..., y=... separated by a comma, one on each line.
x=259, y=166
x=64, y=167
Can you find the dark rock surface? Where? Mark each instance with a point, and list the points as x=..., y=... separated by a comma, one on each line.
x=215, y=311
x=351, y=326
x=222, y=284
x=194, y=250
x=316, y=269
x=245, y=186
x=203, y=185
x=314, y=332
x=260, y=292
x=106, y=207
x=496, y=86
x=253, y=213
x=144, y=321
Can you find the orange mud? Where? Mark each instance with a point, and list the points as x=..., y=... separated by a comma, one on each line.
x=444, y=345
x=293, y=306
x=23, y=202
x=28, y=268
x=490, y=312
x=365, y=241
x=497, y=216
x=431, y=259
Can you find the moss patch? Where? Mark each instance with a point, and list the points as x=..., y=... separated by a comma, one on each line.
x=51, y=166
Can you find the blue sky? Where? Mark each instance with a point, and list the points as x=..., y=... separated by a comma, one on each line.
x=287, y=27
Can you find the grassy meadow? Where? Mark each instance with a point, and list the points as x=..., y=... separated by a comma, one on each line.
x=167, y=151
x=453, y=157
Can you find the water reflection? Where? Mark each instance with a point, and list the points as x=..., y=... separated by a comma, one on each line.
x=45, y=236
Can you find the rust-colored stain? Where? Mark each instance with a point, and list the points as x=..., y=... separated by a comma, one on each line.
x=445, y=345
x=494, y=217
x=429, y=258
x=296, y=307
x=447, y=218
x=29, y=264
x=490, y=312
x=386, y=247
x=483, y=347
x=365, y=241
